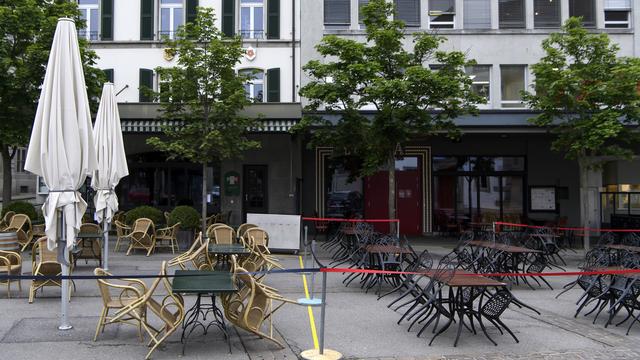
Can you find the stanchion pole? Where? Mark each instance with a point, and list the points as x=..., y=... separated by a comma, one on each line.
x=321, y=353
x=306, y=247
x=313, y=274
x=323, y=311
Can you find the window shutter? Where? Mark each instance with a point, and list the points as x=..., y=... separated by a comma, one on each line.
x=146, y=19
x=477, y=14
x=273, y=85
x=408, y=11
x=192, y=10
x=273, y=19
x=337, y=12
x=106, y=31
x=228, y=17
x=109, y=74
x=511, y=14
x=146, y=84
x=546, y=13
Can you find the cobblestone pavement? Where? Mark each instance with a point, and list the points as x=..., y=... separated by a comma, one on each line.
x=544, y=355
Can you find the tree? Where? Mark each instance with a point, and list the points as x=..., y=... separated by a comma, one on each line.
x=588, y=97
x=410, y=98
x=201, y=98
x=26, y=33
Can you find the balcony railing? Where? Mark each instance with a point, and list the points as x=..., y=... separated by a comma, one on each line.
x=89, y=35
x=251, y=34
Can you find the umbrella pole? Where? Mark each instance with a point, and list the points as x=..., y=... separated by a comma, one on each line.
x=63, y=257
x=105, y=229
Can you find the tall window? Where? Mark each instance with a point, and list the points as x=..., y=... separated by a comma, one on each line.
x=361, y=3
x=171, y=17
x=90, y=13
x=254, y=88
x=477, y=14
x=511, y=14
x=616, y=13
x=546, y=13
x=21, y=157
x=408, y=11
x=513, y=83
x=252, y=19
x=337, y=12
x=442, y=14
x=585, y=9
x=481, y=77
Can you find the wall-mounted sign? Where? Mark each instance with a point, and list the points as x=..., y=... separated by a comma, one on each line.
x=542, y=198
x=231, y=183
x=169, y=54
x=250, y=53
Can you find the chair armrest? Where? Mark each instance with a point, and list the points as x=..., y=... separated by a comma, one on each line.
x=6, y=262
x=12, y=255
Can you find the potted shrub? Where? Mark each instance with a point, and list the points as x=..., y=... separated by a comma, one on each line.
x=189, y=220
x=144, y=212
x=21, y=207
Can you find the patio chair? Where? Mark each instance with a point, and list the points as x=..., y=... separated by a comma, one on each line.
x=630, y=239
x=223, y=234
x=492, y=309
x=88, y=249
x=210, y=228
x=10, y=264
x=143, y=236
x=21, y=225
x=6, y=220
x=45, y=263
x=168, y=237
x=243, y=228
x=117, y=295
x=181, y=259
x=169, y=310
x=122, y=233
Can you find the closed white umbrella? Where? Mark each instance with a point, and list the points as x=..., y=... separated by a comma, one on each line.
x=112, y=162
x=61, y=148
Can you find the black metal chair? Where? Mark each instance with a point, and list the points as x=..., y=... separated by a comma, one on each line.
x=492, y=309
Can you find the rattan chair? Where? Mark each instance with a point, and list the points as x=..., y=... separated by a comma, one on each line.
x=10, y=264
x=223, y=234
x=181, y=259
x=44, y=263
x=243, y=228
x=211, y=227
x=143, y=236
x=168, y=237
x=126, y=292
x=88, y=249
x=21, y=225
x=6, y=220
x=122, y=233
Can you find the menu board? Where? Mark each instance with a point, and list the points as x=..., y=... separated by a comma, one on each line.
x=542, y=198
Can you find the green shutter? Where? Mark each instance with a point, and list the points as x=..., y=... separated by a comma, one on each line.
x=228, y=17
x=192, y=10
x=273, y=19
x=106, y=23
x=109, y=74
x=146, y=19
x=146, y=84
x=273, y=85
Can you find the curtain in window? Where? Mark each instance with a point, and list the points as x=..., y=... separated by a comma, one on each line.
x=477, y=14
x=337, y=12
x=408, y=11
x=546, y=13
x=511, y=14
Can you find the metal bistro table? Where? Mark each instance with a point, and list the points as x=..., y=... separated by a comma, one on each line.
x=81, y=251
x=207, y=284
x=224, y=251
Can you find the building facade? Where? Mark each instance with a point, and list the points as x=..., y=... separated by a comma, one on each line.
x=501, y=169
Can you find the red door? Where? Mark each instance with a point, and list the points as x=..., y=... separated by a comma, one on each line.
x=376, y=199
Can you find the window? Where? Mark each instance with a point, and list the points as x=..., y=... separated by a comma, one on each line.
x=408, y=11
x=585, y=9
x=481, y=77
x=361, y=3
x=21, y=157
x=616, y=14
x=546, y=13
x=511, y=14
x=477, y=14
x=512, y=84
x=337, y=12
x=441, y=14
x=252, y=19
x=171, y=17
x=90, y=13
x=254, y=88
x=145, y=85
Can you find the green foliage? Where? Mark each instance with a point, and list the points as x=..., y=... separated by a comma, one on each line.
x=26, y=33
x=187, y=216
x=382, y=73
x=21, y=207
x=144, y=212
x=587, y=95
x=202, y=96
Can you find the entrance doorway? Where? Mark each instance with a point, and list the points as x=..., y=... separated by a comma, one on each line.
x=254, y=190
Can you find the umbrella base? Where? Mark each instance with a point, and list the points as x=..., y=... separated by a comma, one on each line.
x=314, y=354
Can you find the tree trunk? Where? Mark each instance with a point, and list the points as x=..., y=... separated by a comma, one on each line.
x=6, y=175
x=393, y=226
x=204, y=199
x=584, y=201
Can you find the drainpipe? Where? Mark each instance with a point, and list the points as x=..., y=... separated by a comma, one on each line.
x=293, y=51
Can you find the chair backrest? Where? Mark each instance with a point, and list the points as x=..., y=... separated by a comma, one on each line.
x=211, y=227
x=143, y=225
x=257, y=237
x=171, y=318
x=20, y=222
x=90, y=228
x=121, y=228
x=103, y=286
x=41, y=253
x=496, y=304
x=224, y=234
x=244, y=227
x=7, y=217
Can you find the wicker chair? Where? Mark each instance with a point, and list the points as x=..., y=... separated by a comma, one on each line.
x=122, y=233
x=44, y=263
x=143, y=236
x=21, y=225
x=211, y=227
x=10, y=264
x=181, y=259
x=128, y=291
x=88, y=249
x=243, y=228
x=223, y=234
x=168, y=237
x=6, y=220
